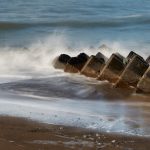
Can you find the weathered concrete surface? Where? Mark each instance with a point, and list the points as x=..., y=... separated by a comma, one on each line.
x=75, y=64
x=132, y=73
x=130, y=56
x=61, y=61
x=113, y=68
x=94, y=65
x=148, y=60
x=99, y=55
x=144, y=83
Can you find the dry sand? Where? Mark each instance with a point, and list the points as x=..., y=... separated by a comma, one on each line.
x=22, y=134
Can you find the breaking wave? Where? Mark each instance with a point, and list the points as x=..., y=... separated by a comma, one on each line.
x=101, y=23
x=39, y=55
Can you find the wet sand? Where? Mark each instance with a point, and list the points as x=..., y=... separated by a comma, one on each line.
x=22, y=134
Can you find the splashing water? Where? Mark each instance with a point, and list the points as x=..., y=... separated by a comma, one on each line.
x=39, y=55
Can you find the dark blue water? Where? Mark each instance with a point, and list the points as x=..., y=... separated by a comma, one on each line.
x=86, y=22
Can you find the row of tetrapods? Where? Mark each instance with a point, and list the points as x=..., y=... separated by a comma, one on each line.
x=132, y=71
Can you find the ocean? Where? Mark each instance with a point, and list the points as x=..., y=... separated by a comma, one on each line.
x=33, y=33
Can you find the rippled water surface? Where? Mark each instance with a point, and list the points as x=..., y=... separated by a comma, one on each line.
x=85, y=22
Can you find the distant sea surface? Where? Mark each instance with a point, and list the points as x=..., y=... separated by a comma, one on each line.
x=86, y=22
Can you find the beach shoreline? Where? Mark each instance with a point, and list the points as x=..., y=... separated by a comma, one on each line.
x=19, y=133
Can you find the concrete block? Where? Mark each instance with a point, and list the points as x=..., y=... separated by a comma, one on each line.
x=94, y=65
x=148, y=60
x=132, y=73
x=101, y=57
x=143, y=85
x=61, y=61
x=130, y=56
x=75, y=64
x=113, y=68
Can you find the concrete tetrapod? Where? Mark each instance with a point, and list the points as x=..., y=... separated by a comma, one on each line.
x=61, y=61
x=94, y=65
x=144, y=83
x=148, y=60
x=113, y=68
x=132, y=73
x=75, y=64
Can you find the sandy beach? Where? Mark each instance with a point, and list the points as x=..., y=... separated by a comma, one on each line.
x=22, y=134
x=70, y=123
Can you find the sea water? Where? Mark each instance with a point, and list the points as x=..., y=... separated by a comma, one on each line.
x=34, y=32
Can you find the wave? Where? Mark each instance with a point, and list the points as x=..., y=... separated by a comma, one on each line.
x=71, y=24
x=131, y=16
x=13, y=25
x=101, y=23
x=38, y=56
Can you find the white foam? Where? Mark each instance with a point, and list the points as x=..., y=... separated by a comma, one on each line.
x=37, y=57
x=97, y=115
